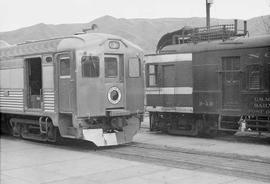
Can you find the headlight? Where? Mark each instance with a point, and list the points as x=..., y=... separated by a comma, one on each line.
x=114, y=95
x=114, y=44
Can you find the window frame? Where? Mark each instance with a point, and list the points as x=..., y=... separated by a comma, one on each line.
x=83, y=69
x=232, y=59
x=117, y=66
x=60, y=68
x=155, y=73
x=231, y=72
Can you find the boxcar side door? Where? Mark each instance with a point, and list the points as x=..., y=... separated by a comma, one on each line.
x=231, y=82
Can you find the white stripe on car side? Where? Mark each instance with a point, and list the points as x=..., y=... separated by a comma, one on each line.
x=169, y=109
x=168, y=58
x=169, y=91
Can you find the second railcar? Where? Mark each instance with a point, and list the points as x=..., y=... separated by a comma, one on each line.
x=202, y=87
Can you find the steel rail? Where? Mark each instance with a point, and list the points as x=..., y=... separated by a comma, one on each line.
x=226, y=164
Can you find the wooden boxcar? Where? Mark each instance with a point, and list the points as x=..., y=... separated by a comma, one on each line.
x=86, y=86
x=195, y=87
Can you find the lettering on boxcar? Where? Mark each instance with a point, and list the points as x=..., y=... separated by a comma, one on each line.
x=260, y=105
x=262, y=99
x=256, y=111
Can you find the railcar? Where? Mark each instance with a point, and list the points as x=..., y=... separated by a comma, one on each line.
x=86, y=86
x=207, y=80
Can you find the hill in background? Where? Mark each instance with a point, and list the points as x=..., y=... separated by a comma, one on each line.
x=143, y=32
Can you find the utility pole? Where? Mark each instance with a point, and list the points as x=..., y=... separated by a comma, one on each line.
x=208, y=5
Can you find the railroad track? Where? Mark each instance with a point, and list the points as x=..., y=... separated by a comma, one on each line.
x=226, y=164
x=256, y=168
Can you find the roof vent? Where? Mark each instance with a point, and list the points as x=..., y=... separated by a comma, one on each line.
x=79, y=33
x=93, y=28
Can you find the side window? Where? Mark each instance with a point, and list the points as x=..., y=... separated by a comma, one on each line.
x=134, y=67
x=65, y=66
x=254, y=77
x=152, y=75
x=231, y=63
x=231, y=68
x=90, y=66
x=111, y=67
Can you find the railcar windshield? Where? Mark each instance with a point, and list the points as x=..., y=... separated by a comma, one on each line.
x=111, y=67
x=90, y=66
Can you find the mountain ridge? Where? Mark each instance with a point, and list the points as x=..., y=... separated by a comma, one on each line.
x=141, y=31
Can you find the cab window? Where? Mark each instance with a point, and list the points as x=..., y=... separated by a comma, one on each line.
x=111, y=67
x=90, y=66
x=152, y=75
x=65, y=66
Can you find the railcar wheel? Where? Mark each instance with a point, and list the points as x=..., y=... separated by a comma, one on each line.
x=206, y=128
x=152, y=119
x=16, y=128
x=52, y=132
x=5, y=126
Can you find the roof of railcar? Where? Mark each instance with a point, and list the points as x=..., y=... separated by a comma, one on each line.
x=59, y=44
x=234, y=43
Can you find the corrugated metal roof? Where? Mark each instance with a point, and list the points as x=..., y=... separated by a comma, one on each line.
x=29, y=48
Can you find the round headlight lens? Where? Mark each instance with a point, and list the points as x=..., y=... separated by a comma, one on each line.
x=114, y=95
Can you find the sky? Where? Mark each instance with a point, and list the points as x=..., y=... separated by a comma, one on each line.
x=15, y=14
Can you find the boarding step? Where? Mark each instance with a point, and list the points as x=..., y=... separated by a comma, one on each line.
x=228, y=123
x=32, y=136
x=118, y=112
x=258, y=123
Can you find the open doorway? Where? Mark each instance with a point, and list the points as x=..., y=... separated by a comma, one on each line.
x=34, y=82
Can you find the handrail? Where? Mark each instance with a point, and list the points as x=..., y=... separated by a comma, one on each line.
x=216, y=32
